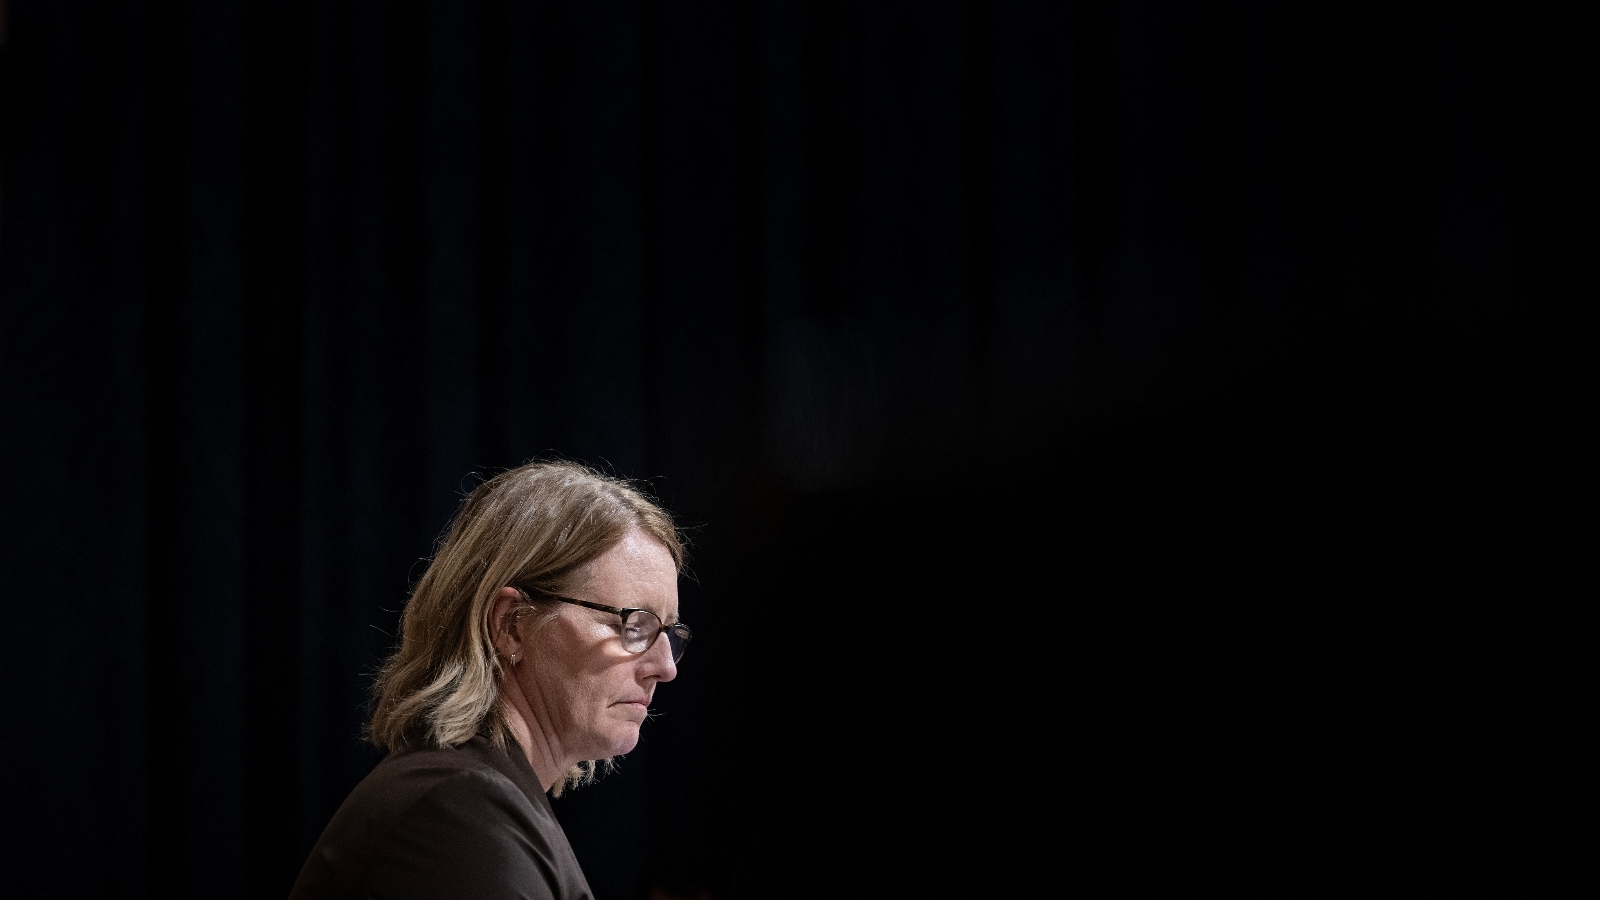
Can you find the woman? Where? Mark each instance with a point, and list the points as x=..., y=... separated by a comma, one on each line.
x=529, y=652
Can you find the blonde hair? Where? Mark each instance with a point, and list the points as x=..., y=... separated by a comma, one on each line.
x=533, y=527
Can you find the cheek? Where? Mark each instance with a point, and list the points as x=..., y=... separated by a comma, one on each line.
x=583, y=679
x=599, y=687
x=559, y=678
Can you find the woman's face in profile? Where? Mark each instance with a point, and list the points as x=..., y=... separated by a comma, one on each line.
x=589, y=694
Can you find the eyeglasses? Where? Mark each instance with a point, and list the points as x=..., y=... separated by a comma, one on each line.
x=640, y=627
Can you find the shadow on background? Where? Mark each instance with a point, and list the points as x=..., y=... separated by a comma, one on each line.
x=1074, y=408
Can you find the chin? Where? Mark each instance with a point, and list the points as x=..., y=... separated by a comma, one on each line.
x=623, y=742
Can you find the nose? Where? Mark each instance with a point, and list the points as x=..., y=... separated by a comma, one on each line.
x=657, y=661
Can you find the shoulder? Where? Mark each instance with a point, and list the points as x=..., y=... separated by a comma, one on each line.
x=440, y=823
x=403, y=780
x=470, y=832
x=392, y=792
x=467, y=792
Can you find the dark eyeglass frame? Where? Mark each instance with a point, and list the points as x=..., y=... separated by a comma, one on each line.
x=677, y=629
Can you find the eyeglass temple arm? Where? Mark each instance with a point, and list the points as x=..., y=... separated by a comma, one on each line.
x=612, y=609
x=574, y=601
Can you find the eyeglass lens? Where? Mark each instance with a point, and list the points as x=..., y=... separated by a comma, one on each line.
x=640, y=628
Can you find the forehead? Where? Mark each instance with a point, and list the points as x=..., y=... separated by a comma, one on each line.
x=636, y=572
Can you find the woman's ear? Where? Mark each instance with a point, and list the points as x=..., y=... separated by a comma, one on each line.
x=503, y=615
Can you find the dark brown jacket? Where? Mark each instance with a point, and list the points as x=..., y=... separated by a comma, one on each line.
x=469, y=821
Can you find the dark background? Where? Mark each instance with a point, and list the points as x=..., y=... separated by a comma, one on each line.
x=1081, y=413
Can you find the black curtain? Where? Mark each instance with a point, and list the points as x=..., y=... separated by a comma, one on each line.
x=1064, y=400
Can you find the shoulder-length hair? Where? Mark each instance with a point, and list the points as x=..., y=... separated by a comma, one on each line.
x=534, y=528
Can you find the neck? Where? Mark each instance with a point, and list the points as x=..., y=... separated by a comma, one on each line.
x=536, y=745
